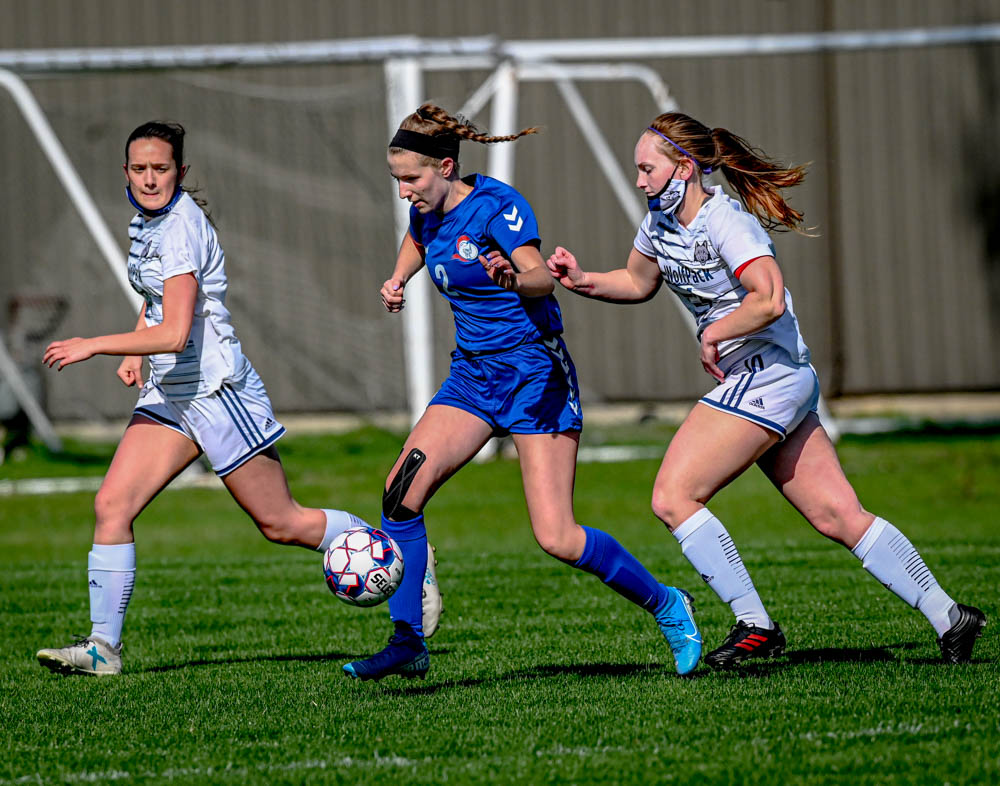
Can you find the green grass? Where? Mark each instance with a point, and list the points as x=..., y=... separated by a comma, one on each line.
x=539, y=673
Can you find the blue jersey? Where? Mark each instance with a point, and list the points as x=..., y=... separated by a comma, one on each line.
x=493, y=216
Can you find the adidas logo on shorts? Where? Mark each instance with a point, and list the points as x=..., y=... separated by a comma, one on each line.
x=757, y=402
x=268, y=424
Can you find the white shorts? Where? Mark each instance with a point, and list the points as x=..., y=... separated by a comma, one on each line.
x=231, y=425
x=768, y=388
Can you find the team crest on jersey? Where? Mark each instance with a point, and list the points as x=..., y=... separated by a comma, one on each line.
x=146, y=256
x=701, y=253
x=467, y=250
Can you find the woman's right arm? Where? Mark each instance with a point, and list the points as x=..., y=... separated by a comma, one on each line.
x=637, y=282
x=130, y=369
x=179, y=295
x=408, y=261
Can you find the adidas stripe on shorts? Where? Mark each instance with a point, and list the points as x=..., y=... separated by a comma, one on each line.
x=765, y=386
x=231, y=425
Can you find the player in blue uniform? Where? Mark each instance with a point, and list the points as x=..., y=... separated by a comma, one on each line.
x=510, y=374
x=718, y=259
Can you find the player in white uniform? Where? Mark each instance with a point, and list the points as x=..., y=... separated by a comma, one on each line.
x=718, y=259
x=202, y=396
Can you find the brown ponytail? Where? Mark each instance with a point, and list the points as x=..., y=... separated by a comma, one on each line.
x=432, y=120
x=756, y=178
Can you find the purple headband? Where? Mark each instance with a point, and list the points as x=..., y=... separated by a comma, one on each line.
x=706, y=169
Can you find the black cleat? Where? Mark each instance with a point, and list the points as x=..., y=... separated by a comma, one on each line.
x=957, y=642
x=745, y=642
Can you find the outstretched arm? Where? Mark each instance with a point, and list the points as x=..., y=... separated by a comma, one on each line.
x=637, y=282
x=763, y=304
x=408, y=261
x=171, y=335
x=529, y=278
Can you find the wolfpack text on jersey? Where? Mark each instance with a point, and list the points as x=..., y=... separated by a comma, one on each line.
x=702, y=263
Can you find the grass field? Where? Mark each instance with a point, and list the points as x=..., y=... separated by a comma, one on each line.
x=539, y=674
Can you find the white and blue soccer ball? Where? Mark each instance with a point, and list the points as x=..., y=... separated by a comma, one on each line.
x=363, y=566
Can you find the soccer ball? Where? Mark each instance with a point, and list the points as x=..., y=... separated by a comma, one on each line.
x=363, y=566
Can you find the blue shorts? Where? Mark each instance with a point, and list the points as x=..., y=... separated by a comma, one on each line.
x=530, y=389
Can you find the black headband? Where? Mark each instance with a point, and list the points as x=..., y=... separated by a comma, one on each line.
x=440, y=146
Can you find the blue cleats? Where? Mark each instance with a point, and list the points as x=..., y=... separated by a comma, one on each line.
x=406, y=656
x=676, y=621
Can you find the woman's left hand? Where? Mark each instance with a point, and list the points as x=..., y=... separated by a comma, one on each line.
x=66, y=352
x=499, y=268
x=710, y=356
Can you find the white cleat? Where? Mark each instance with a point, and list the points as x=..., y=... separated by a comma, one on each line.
x=85, y=656
x=430, y=599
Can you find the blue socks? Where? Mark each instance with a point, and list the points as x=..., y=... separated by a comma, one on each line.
x=602, y=555
x=611, y=563
x=406, y=604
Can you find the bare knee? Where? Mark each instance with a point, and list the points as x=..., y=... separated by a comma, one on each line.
x=843, y=526
x=673, y=508
x=284, y=527
x=277, y=531
x=113, y=513
x=562, y=542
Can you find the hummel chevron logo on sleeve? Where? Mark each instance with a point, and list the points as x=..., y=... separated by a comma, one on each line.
x=515, y=222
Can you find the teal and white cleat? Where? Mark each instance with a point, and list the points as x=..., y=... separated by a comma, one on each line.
x=676, y=621
x=85, y=656
x=431, y=604
x=406, y=656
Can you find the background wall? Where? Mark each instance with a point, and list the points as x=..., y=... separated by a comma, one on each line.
x=900, y=292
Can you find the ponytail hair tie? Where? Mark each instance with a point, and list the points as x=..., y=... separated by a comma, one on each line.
x=705, y=169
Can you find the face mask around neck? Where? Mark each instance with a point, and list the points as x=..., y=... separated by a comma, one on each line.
x=178, y=192
x=668, y=198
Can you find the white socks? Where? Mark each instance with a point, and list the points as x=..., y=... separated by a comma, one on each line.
x=111, y=576
x=708, y=546
x=337, y=521
x=886, y=553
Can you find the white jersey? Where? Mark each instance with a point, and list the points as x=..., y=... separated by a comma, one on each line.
x=183, y=241
x=701, y=263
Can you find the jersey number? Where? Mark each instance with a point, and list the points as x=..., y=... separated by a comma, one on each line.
x=442, y=276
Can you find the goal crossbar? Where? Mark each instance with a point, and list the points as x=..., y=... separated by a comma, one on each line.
x=489, y=48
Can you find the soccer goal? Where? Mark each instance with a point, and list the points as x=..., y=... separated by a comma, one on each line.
x=336, y=349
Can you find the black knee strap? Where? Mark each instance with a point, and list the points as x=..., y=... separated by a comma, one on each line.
x=392, y=498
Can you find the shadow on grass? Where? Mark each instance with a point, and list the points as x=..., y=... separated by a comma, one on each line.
x=752, y=670
x=305, y=658
x=584, y=670
x=193, y=664
x=794, y=658
x=939, y=662
x=850, y=654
